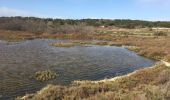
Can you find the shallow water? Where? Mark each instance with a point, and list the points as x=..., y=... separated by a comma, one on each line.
x=19, y=61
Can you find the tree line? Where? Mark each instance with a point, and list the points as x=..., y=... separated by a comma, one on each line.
x=41, y=25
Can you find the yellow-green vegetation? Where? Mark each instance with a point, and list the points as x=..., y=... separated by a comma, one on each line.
x=100, y=43
x=146, y=84
x=45, y=75
x=78, y=43
x=66, y=45
x=90, y=43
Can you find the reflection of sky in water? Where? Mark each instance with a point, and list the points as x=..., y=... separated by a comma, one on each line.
x=77, y=63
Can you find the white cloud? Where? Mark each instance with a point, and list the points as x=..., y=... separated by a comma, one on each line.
x=8, y=12
x=4, y=11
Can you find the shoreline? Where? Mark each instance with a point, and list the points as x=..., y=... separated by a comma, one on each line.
x=120, y=82
x=162, y=62
x=128, y=47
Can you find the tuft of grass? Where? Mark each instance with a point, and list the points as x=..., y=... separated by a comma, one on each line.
x=45, y=75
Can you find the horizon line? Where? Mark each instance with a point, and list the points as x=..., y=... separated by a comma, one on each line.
x=135, y=19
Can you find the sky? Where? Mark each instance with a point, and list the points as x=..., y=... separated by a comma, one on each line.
x=154, y=10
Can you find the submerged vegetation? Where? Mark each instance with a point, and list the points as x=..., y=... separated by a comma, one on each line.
x=45, y=75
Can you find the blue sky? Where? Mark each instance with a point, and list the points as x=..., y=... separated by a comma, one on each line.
x=78, y=9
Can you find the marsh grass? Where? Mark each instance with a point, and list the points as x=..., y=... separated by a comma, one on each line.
x=45, y=75
x=66, y=45
x=78, y=43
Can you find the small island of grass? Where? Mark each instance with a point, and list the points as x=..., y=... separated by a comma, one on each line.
x=45, y=75
x=65, y=45
x=78, y=43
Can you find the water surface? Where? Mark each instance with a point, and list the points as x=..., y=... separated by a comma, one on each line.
x=19, y=61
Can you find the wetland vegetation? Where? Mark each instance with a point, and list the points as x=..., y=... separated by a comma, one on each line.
x=79, y=43
x=148, y=39
x=45, y=75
